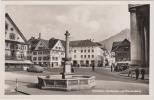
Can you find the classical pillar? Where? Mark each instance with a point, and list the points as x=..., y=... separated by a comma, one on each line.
x=139, y=20
x=67, y=66
x=136, y=40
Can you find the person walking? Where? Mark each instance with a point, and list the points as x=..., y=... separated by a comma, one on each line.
x=137, y=73
x=72, y=69
x=142, y=73
x=93, y=67
x=112, y=67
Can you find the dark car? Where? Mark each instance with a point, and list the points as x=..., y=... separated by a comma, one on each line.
x=35, y=68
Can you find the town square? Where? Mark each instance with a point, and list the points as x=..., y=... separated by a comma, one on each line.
x=77, y=50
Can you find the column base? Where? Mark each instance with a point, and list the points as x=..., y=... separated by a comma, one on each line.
x=67, y=75
x=136, y=63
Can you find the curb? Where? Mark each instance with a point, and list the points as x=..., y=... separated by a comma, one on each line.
x=22, y=92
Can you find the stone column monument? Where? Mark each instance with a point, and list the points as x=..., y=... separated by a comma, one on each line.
x=67, y=66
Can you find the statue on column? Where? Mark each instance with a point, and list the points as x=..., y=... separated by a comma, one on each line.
x=67, y=65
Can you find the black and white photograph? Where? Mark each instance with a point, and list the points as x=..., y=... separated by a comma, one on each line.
x=77, y=49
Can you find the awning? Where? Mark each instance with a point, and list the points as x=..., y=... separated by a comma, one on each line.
x=18, y=62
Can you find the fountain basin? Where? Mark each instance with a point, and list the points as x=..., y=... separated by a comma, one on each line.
x=76, y=82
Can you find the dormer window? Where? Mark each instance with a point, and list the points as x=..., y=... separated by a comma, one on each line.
x=12, y=36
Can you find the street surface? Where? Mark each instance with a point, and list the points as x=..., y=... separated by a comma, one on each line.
x=107, y=83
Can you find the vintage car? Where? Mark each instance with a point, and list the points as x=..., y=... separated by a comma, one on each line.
x=35, y=68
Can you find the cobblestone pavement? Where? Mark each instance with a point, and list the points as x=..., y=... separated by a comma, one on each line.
x=107, y=83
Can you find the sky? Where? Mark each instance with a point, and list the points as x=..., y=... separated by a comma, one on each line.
x=96, y=22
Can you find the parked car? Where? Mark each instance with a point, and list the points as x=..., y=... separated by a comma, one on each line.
x=35, y=68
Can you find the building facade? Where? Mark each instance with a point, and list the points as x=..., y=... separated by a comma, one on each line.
x=86, y=53
x=15, y=47
x=121, y=51
x=47, y=53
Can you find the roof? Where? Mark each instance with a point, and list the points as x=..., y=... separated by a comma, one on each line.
x=115, y=45
x=118, y=44
x=48, y=43
x=9, y=18
x=33, y=42
x=18, y=62
x=83, y=43
x=52, y=42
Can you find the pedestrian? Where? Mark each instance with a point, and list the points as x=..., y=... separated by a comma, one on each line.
x=93, y=67
x=72, y=69
x=111, y=67
x=78, y=65
x=142, y=73
x=129, y=72
x=52, y=64
x=137, y=73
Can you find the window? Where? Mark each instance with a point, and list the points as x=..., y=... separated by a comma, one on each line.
x=81, y=56
x=11, y=29
x=84, y=50
x=46, y=52
x=22, y=47
x=40, y=63
x=40, y=48
x=17, y=47
x=62, y=53
x=44, y=58
x=88, y=56
x=88, y=50
x=25, y=47
x=81, y=51
x=92, y=56
x=48, y=57
x=53, y=58
x=74, y=51
x=12, y=36
x=74, y=56
x=34, y=58
x=6, y=44
x=39, y=58
x=34, y=53
x=84, y=56
x=56, y=58
x=6, y=26
x=92, y=50
x=40, y=52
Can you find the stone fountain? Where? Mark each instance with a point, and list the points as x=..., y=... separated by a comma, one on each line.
x=66, y=81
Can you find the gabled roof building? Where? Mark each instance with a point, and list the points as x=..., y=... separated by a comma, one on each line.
x=46, y=52
x=121, y=50
x=15, y=47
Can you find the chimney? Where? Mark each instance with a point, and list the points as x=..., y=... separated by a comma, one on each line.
x=39, y=36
